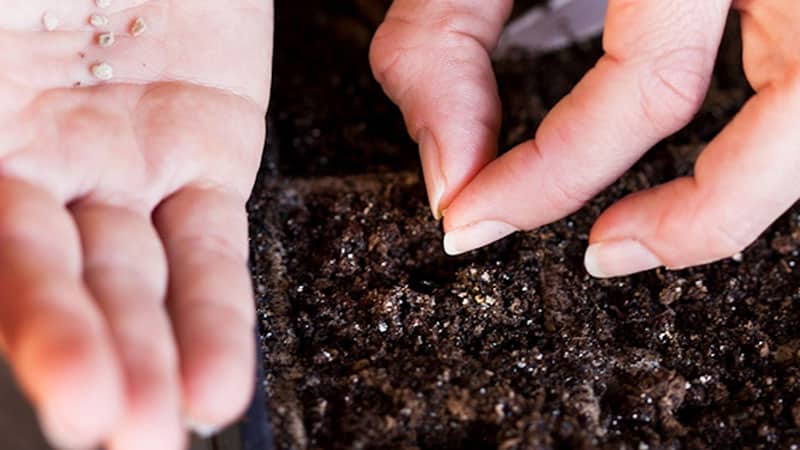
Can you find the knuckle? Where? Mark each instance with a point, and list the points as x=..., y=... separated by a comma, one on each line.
x=466, y=26
x=728, y=238
x=384, y=51
x=791, y=82
x=409, y=60
x=563, y=194
x=213, y=247
x=39, y=303
x=673, y=85
x=567, y=196
x=395, y=52
x=151, y=352
x=148, y=283
x=38, y=292
x=395, y=59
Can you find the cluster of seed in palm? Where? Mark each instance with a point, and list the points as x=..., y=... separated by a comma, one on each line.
x=105, y=38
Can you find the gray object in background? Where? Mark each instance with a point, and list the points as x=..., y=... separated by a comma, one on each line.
x=556, y=25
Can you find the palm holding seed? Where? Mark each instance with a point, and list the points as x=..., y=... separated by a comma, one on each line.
x=125, y=163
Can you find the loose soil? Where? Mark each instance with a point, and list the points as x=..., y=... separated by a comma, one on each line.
x=374, y=339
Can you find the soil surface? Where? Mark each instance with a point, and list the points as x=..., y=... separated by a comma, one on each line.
x=374, y=339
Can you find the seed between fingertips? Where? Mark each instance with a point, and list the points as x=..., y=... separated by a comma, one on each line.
x=50, y=21
x=103, y=3
x=138, y=27
x=106, y=39
x=98, y=20
x=103, y=71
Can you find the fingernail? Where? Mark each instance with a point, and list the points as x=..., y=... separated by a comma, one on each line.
x=619, y=258
x=435, y=199
x=201, y=429
x=434, y=178
x=470, y=237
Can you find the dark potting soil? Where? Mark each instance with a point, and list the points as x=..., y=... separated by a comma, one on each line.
x=374, y=339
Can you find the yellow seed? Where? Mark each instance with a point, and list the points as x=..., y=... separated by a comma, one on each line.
x=102, y=71
x=106, y=39
x=138, y=27
x=102, y=3
x=98, y=20
x=50, y=21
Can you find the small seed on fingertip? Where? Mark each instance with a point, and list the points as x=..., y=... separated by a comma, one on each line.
x=106, y=40
x=50, y=21
x=98, y=20
x=103, y=71
x=138, y=27
x=102, y=3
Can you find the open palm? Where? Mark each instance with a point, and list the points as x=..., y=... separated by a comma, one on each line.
x=125, y=301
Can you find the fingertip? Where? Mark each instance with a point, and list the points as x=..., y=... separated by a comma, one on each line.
x=75, y=385
x=216, y=396
x=136, y=434
x=435, y=182
x=449, y=165
x=218, y=381
x=451, y=248
x=435, y=198
x=479, y=234
x=619, y=258
x=620, y=240
x=152, y=415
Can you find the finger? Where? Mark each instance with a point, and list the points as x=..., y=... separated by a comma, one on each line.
x=204, y=231
x=742, y=182
x=432, y=59
x=125, y=268
x=55, y=337
x=770, y=36
x=652, y=79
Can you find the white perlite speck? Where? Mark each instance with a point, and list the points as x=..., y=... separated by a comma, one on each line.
x=106, y=40
x=102, y=71
x=50, y=21
x=102, y=3
x=138, y=27
x=98, y=20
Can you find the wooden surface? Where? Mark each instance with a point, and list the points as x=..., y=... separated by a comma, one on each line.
x=19, y=429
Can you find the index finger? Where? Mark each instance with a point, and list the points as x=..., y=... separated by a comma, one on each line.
x=650, y=82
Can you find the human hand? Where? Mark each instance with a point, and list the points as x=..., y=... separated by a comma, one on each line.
x=432, y=58
x=126, y=307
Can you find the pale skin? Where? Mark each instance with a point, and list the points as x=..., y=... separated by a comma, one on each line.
x=432, y=58
x=125, y=302
x=126, y=308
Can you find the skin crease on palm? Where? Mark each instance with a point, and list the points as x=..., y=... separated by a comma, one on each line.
x=126, y=307
x=432, y=58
